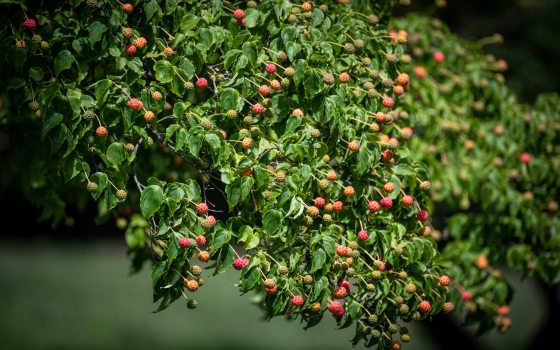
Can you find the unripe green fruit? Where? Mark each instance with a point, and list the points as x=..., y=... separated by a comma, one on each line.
x=416, y=316
x=89, y=115
x=373, y=319
x=282, y=56
x=252, y=4
x=285, y=83
x=403, y=275
x=410, y=288
x=121, y=194
x=307, y=279
x=231, y=114
x=189, y=85
x=36, y=39
x=399, y=300
x=370, y=287
x=192, y=303
x=405, y=338
x=44, y=45
x=327, y=218
x=121, y=223
x=206, y=123
x=283, y=270
x=404, y=309
x=248, y=120
x=351, y=271
x=354, y=254
x=315, y=133
x=353, y=245
x=92, y=186
x=375, y=333
x=196, y=270
x=393, y=328
x=376, y=275
x=34, y=105
x=129, y=147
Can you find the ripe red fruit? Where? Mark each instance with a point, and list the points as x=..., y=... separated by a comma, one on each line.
x=339, y=313
x=270, y=68
x=298, y=300
x=101, y=131
x=423, y=215
x=387, y=154
x=407, y=200
x=344, y=77
x=241, y=21
x=444, y=281
x=240, y=263
x=467, y=296
x=275, y=85
x=424, y=306
x=191, y=285
x=334, y=306
x=420, y=71
x=200, y=240
x=349, y=191
x=503, y=310
x=238, y=14
x=331, y=175
x=127, y=8
x=373, y=206
x=342, y=251
x=525, y=158
x=382, y=266
x=29, y=24
x=338, y=206
x=184, y=242
x=135, y=104
x=202, y=83
x=396, y=345
x=345, y=284
x=209, y=222
x=297, y=112
x=363, y=235
x=131, y=50
x=204, y=256
x=439, y=56
x=264, y=90
x=140, y=42
x=386, y=202
x=340, y=292
x=258, y=108
x=271, y=291
x=319, y=202
x=388, y=102
x=202, y=208
x=354, y=145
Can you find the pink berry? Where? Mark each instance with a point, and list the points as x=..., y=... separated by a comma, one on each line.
x=467, y=296
x=345, y=284
x=298, y=300
x=338, y=206
x=386, y=202
x=200, y=240
x=439, y=56
x=382, y=266
x=29, y=24
x=238, y=14
x=342, y=250
x=264, y=90
x=363, y=235
x=184, y=242
x=240, y=263
x=202, y=83
x=373, y=206
x=270, y=68
x=388, y=102
x=424, y=306
x=525, y=158
x=334, y=306
x=319, y=202
x=423, y=215
x=202, y=208
x=407, y=200
x=135, y=104
x=271, y=291
x=258, y=108
x=131, y=50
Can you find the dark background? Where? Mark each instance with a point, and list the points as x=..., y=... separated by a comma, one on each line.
x=69, y=287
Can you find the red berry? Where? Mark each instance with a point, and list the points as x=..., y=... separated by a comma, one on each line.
x=240, y=263
x=202, y=83
x=340, y=292
x=191, y=285
x=525, y=158
x=466, y=296
x=319, y=202
x=386, y=202
x=439, y=56
x=338, y=206
x=339, y=313
x=209, y=222
x=270, y=68
x=345, y=284
x=127, y=8
x=444, y=281
x=264, y=90
x=334, y=306
x=271, y=291
x=387, y=154
x=388, y=102
x=420, y=71
x=135, y=104
x=382, y=266
x=238, y=14
x=424, y=306
x=407, y=200
x=258, y=108
x=140, y=42
x=373, y=206
x=241, y=21
x=202, y=208
x=29, y=24
x=363, y=235
x=200, y=240
x=101, y=131
x=298, y=300
x=503, y=310
x=354, y=145
x=423, y=215
x=342, y=250
x=331, y=175
x=131, y=50
x=184, y=242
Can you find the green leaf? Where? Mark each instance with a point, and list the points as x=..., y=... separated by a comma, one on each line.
x=251, y=17
x=271, y=221
x=292, y=50
x=319, y=258
x=102, y=90
x=164, y=71
x=157, y=271
x=52, y=121
x=116, y=154
x=214, y=141
x=229, y=99
x=150, y=200
x=220, y=237
x=96, y=30
x=404, y=169
x=63, y=61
